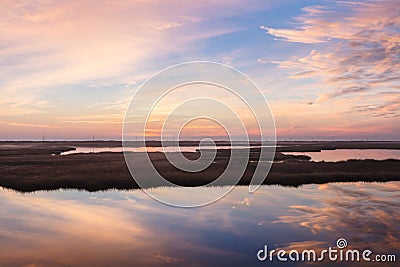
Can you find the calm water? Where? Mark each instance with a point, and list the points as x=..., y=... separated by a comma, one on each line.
x=326, y=155
x=143, y=149
x=127, y=228
x=346, y=154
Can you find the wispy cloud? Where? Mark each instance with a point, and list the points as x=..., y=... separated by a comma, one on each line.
x=168, y=25
x=388, y=108
x=168, y=259
x=50, y=43
x=49, y=47
x=31, y=125
x=355, y=47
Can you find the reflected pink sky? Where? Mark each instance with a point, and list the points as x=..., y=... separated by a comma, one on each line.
x=346, y=154
x=126, y=228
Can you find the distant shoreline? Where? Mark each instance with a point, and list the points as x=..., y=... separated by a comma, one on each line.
x=30, y=166
x=282, y=146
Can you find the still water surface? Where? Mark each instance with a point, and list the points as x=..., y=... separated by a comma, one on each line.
x=144, y=149
x=127, y=228
x=326, y=155
x=346, y=154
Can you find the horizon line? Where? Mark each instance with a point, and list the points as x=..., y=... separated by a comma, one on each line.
x=198, y=140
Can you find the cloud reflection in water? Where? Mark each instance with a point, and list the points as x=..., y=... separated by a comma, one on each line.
x=125, y=228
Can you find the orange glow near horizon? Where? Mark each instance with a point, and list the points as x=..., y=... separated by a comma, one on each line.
x=66, y=73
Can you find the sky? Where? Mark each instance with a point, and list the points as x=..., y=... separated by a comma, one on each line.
x=329, y=69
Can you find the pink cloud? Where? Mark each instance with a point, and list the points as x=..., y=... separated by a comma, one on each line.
x=358, y=54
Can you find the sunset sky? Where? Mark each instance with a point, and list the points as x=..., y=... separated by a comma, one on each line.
x=329, y=69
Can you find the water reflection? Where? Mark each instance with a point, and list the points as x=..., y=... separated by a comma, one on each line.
x=126, y=228
x=147, y=149
x=368, y=213
x=346, y=154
